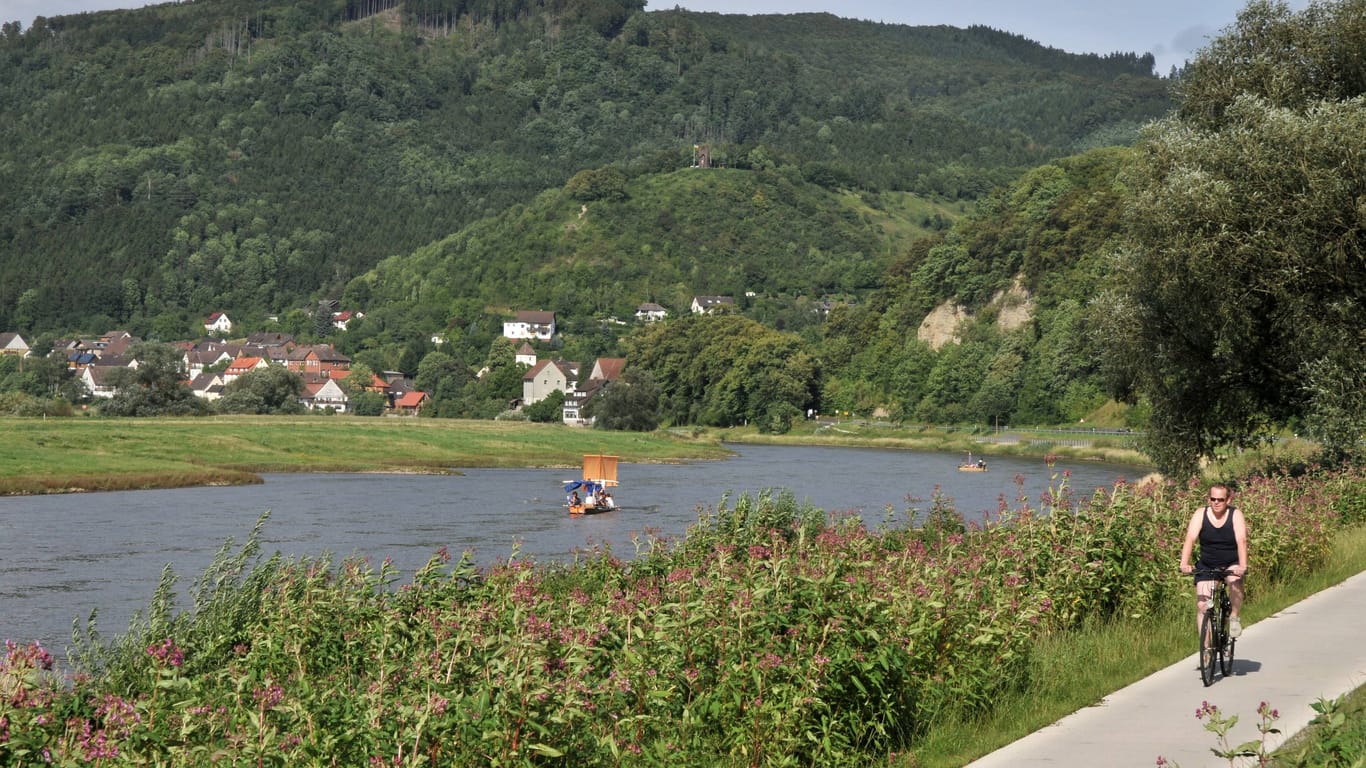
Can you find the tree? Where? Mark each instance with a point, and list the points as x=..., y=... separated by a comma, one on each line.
x=41, y=376
x=442, y=375
x=157, y=387
x=1242, y=290
x=631, y=403
x=273, y=389
x=502, y=379
x=723, y=370
x=547, y=410
x=361, y=398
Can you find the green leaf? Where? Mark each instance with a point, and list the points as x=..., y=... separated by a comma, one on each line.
x=545, y=749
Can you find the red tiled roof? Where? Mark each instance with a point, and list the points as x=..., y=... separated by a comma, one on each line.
x=611, y=367
x=244, y=363
x=412, y=399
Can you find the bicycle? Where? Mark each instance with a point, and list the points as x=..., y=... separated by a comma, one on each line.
x=1216, y=647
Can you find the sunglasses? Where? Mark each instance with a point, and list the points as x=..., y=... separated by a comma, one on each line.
x=1218, y=498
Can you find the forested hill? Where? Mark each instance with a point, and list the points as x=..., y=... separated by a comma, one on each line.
x=603, y=244
x=253, y=156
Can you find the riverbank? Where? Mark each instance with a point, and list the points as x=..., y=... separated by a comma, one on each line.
x=1113, y=446
x=86, y=454
x=73, y=455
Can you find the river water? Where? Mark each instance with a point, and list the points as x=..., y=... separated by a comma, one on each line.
x=63, y=556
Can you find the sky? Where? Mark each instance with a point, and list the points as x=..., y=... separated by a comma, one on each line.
x=1171, y=30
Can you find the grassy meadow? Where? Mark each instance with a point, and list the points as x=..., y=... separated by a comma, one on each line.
x=60, y=455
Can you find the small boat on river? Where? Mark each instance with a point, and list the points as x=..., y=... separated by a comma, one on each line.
x=973, y=466
x=589, y=495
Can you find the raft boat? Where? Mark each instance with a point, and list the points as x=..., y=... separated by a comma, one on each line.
x=589, y=495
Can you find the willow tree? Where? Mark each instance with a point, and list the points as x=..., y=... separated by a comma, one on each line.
x=1240, y=305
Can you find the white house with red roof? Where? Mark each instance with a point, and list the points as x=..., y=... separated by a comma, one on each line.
x=242, y=365
x=324, y=393
x=218, y=323
x=341, y=319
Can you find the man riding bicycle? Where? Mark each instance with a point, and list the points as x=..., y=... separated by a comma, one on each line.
x=1222, y=532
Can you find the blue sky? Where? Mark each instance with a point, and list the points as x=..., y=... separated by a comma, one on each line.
x=1172, y=30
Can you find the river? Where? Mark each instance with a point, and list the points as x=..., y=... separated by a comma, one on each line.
x=63, y=556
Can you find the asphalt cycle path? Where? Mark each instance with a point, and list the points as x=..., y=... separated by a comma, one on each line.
x=1313, y=649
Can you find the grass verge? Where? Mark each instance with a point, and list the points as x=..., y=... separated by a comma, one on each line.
x=1117, y=653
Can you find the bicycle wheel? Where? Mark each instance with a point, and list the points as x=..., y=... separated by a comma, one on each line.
x=1226, y=653
x=1209, y=656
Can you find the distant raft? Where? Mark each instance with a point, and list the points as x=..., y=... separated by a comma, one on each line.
x=589, y=495
x=979, y=465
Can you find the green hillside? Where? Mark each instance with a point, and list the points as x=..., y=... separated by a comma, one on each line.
x=253, y=157
x=661, y=238
x=1023, y=270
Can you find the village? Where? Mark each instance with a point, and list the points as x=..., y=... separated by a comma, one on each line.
x=215, y=361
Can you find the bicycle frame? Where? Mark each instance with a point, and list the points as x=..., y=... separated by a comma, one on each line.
x=1216, y=647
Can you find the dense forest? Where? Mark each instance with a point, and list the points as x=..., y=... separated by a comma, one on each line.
x=253, y=157
x=931, y=224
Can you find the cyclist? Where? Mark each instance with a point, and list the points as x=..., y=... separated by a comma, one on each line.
x=1222, y=532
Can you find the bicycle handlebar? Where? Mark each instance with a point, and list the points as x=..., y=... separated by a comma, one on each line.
x=1227, y=571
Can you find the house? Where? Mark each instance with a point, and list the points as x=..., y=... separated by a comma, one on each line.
x=399, y=385
x=605, y=371
x=320, y=394
x=525, y=354
x=548, y=376
x=607, y=368
x=531, y=325
x=650, y=313
x=76, y=360
x=344, y=317
x=572, y=411
x=13, y=344
x=317, y=360
x=117, y=343
x=98, y=379
x=218, y=323
x=411, y=403
x=208, y=386
x=277, y=355
x=710, y=305
x=207, y=354
x=267, y=339
x=241, y=366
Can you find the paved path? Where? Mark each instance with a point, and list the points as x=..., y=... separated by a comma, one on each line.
x=1315, y=648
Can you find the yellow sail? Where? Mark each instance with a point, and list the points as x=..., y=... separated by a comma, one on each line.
x=600, y=469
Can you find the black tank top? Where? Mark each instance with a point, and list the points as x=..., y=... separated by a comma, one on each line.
x=1218, y=545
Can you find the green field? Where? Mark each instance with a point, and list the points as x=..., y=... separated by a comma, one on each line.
x=62, y=455
x=92, y=454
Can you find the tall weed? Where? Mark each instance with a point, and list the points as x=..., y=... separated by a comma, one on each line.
x=770, y=635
